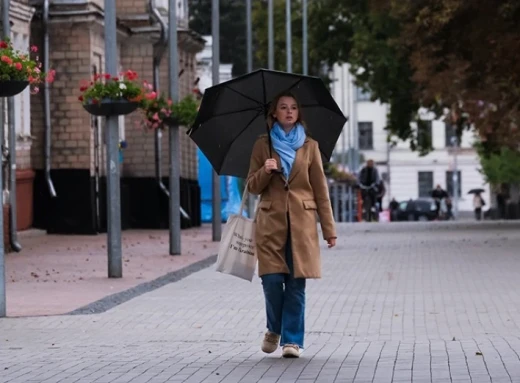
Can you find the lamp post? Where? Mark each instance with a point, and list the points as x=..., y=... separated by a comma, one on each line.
x=455, y=176
x=215, y=66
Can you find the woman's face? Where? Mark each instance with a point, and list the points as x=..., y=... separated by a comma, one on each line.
x=286, y=112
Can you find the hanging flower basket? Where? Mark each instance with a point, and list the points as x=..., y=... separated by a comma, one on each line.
x=109, y=107
x=18, y=70
x=11, y=88
x=160, y=112
x=111, y=96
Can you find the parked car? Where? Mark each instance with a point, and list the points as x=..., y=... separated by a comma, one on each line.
x=421, y=209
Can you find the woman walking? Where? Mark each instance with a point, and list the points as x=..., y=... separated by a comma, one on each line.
x=293, y=188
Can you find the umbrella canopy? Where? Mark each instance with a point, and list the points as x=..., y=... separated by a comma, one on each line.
x=476, y=191
x=233, y=114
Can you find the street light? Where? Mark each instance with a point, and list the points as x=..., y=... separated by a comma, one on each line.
x=455, y=175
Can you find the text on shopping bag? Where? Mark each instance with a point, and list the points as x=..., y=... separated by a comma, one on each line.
x=242, y=245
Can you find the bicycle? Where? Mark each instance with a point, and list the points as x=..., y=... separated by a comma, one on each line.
x=368, y=206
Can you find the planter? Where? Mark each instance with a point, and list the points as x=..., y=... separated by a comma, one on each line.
x=12, y=88
x=171, y=121
x=109, y=107
x=24, y=199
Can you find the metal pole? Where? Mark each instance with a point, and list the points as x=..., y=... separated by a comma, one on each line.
x=388, y=161
x=11, y=138
x=270, y=35
x=305, y=57
x=455, y=176
x=288, y=35
x=115, y=265
x=350, y=152
x=215, y=66
x=249, y=34
x=175, y=193
x=3, y=306
x=345, y=82
x=355, y=134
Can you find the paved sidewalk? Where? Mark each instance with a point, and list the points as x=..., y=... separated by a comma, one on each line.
x=56, y=274
x=432, y=302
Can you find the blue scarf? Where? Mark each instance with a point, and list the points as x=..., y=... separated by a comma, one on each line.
x=286, y=145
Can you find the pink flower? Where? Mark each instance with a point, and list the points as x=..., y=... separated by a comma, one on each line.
x=7, y=60
x=155, y=117
x=34, y=49
x=51, y=75
x=18, y=66
x=35, y=90
x=151, y=96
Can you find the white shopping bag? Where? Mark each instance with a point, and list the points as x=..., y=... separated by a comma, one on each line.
x=237, y=250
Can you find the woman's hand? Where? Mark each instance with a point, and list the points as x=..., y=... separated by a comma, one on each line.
x=270, y=165
x=331, y=242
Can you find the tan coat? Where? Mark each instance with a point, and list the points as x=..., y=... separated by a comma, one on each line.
x=305, y=195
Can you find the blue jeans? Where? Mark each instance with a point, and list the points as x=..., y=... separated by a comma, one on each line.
x=285, y=303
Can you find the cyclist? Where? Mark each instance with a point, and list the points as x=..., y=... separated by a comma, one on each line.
x=369, y=181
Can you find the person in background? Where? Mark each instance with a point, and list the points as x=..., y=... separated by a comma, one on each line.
x=449, y=209
x=438, y=194
x=502, y=195
x=381, y=191
x=369, y=176
x=393, y=207
x=478, y=204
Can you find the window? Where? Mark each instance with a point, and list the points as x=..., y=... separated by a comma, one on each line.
x=366, y=139
x=424, y=133
x=449, y=134
x=362, y=95
x=425, y=181
x=449, y=183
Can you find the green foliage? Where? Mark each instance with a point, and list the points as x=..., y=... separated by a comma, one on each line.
x=186, y=110
x=103, y=86
x=18, y=66
x=158, y=109
x=502, y=166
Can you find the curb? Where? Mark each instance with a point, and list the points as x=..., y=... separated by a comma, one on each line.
x=104, y=304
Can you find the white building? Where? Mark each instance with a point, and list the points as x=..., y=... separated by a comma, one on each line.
x=406, y=173
x=204, y=66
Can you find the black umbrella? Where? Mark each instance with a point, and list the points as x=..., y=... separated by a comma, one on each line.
x=476, y=191
x=232, y=116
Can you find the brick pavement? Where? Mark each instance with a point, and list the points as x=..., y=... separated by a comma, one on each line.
x=56, y=274
x=432, y=302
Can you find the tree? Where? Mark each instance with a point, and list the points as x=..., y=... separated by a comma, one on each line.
x=260, y=31
x=328, y=39
x=502, y=167
x=232, y=29
x=463, y=57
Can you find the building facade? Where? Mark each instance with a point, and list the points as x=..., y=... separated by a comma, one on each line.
x=76, y=155
x=406, y=173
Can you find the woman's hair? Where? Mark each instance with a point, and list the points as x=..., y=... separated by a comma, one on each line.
x=274, y=104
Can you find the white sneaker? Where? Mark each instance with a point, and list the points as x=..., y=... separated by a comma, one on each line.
x=270, y=342
x=291, y=351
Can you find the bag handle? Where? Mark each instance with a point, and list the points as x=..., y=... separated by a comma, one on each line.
x=244, y=198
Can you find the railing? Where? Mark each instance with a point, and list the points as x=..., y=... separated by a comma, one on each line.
x=340, y=192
